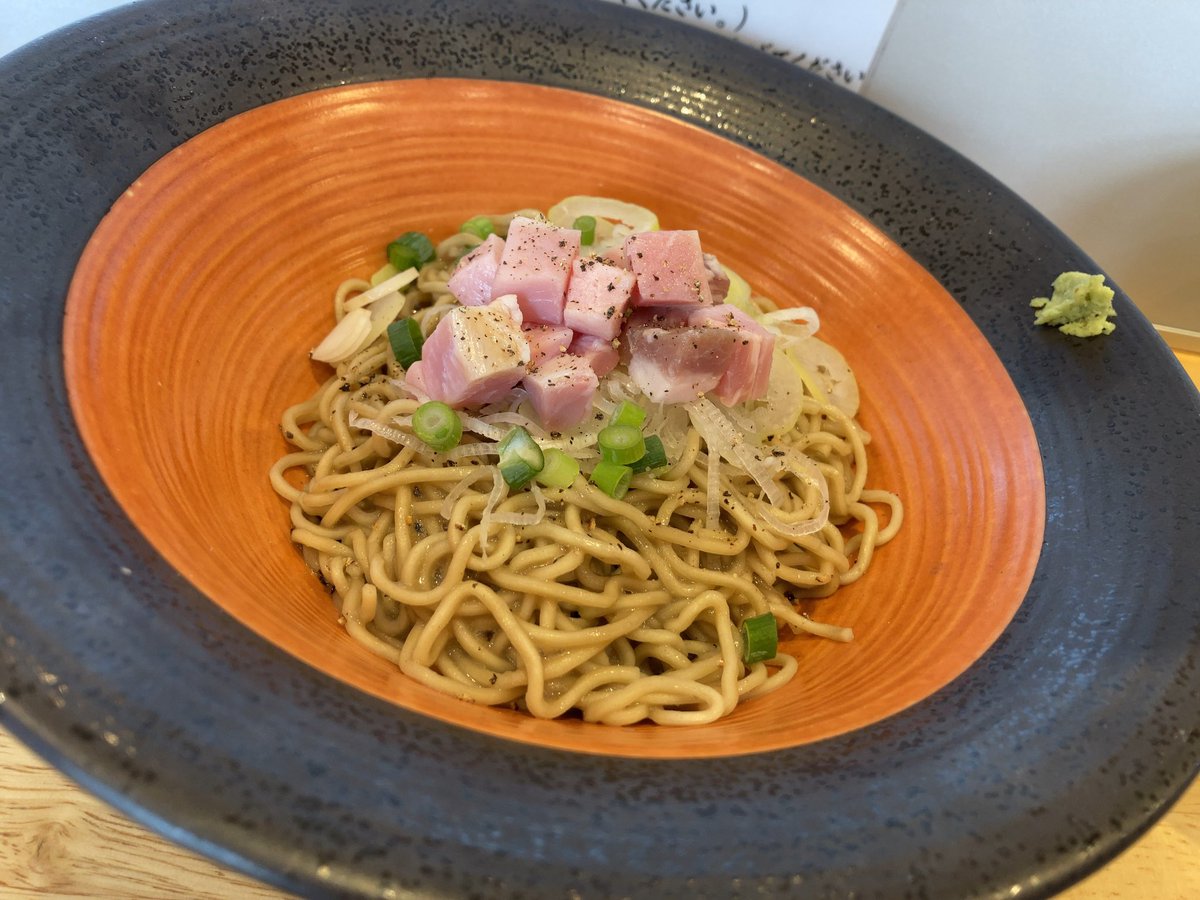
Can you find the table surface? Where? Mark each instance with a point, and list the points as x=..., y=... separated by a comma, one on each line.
x=57, y=840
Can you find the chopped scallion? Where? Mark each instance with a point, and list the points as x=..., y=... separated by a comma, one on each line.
x=760, y=639
x=520, y=458
x=480, y=226
x=437, y=425
x=628, y=414
x=558, y=469
x=406, y=340
x=621, y=444
x=612, y=478
x=411, y=250
x=655, y=456
x=586, y=226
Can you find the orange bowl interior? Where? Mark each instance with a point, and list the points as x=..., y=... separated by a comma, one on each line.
x=197, y=299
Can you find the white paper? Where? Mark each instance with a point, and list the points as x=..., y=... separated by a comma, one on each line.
x=834, y=38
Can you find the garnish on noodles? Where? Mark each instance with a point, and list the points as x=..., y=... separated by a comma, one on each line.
x=571, y=464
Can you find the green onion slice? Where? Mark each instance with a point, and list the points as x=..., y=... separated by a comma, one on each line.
x=628, y=414
x=612, y=478
x=520, y=458
x=480, y=226
x=655, y=456
x=621, y=444
x=411, y=250
x=558, y=469
x=760, y=639
x=406, y=341
x=586, y=226
x=437, y=425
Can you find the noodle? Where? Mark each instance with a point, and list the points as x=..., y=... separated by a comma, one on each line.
x=561, y=601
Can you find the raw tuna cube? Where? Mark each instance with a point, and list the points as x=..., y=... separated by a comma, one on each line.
x=561, y=391
x=476, y=355
x=748, y=368
x=546, y=341
x=471, y=283
x=535, y=265
x=596, y=297
x=598, y=353
x=678, y=364
x=669, y=266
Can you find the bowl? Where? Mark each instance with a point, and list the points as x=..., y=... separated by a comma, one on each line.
x=194, y=306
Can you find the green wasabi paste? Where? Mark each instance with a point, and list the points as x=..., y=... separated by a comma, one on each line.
x=1080, y=306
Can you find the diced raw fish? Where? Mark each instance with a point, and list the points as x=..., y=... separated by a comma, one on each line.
x=669, y=266
x=679, y=363
x=546, y=341
x=748, y=367
x=535, y=265
x=476, y=355
x=615, y=256
x=510, y=304
x=561, y=391
x=471, y=282
x=598, y=353
x=597, y=295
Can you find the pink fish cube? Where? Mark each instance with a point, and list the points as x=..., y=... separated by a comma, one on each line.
x=471, y=282
x=535, y=265
x=598, y=353
x=669, y=266
x=561, y=390
x=676, y=365
x=748, y=366
x=476, y=355
x=597, y=295
x=546, y=341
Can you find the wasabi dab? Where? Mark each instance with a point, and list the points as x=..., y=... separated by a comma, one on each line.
x=1081, y=305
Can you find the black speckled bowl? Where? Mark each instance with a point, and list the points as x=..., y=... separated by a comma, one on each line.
x=1052, y=752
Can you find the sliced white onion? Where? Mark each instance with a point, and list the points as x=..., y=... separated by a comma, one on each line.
x=457, y=491
x=480, y=449
x=793, y=315
x=482, y=428
x=713, y=495
x=514, y=418
x=395, y=283
x=720, y=436
x=403, y=386
x=495, y=498
x=395, y=435
x=809, y=472
x=833, y=374
x=345, y=339
x=636, y=218
x=525, y=518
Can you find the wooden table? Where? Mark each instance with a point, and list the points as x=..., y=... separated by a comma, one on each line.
x=56, y=840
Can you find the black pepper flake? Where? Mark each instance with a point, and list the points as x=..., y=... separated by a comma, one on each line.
x=611, y=311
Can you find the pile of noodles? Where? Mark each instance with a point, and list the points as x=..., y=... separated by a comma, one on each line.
x=559, y=600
